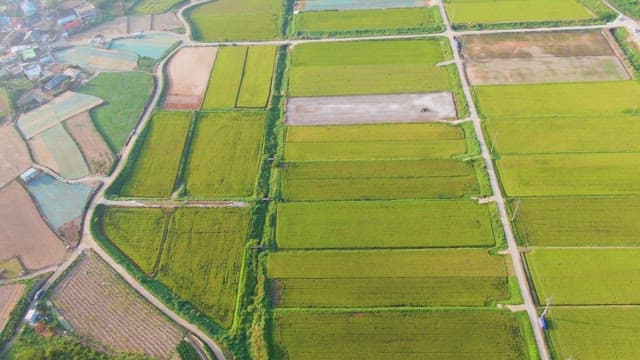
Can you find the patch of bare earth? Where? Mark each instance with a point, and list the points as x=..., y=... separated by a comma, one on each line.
x=535, y=44
x=100, y=306
x=9, y=297
x=110, y=29
x=541, y=70
x=42, y=153
x=95, y=150
x=71, y=232
x=24, y=233
x=188, y=73
x=165, y=22
x=370, y=109
x=14, y=154
x=139, y=23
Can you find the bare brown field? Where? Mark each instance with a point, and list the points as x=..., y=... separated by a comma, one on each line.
x=9, y=297
x=547, y=69
x=24, y=233
x=95, y=150
x=535, y=44
x=165, y=22
x=337, y=110
x=188, y=73
x=42, y=153
x=14, y=154
x=139, y=23
x=110, y=29
x=101, y=306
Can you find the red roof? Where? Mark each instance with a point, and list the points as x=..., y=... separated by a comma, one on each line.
x=74, y=24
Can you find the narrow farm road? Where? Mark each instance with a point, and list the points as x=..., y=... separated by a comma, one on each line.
x=513, y=250
x=142, y=203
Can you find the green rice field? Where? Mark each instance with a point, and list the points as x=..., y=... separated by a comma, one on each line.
x=154, y=6
x=499, y=11
x=571, y=174
x=452, y=334
x=378, y=180
x=202, y=258
x=586, y=276
x=373, y=142
x=589, y=99
x=125, y=95
x=420, y=19
x=578, y=221
x=594, y=333
x=226, y=20
x=383, y=224
x=241, y=77
x=154, y=170
x=368, y=67
x=565, y=134
x=387, y=278
x=225, y=154
x=138, y=233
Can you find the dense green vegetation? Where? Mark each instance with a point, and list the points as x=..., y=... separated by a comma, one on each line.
x=378, y=180
x=593, y=333
x=373, y=142
x=383, y=224
x=578, y=221
x=241, y=77
x=586, y=276
x=125, y=95
x=368, y=67
x=152, y=172
x=630, y=47
x=629, y=7
x=15, y=316
x=226, y=20
x=387, y=278
x=187, y=352
x=202, y=258
x=225, y=155
x=452, y=334
x=139, y=233
x=571, y=174
x=375, y=21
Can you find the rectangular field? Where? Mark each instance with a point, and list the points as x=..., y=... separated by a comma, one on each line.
x=501, y=11
x=226, y=77
x=227, y=20
x=188, y=74
x=373, y=142
x=377, y=278
x=368, y=67
x=137, y=232
x=153, y=171
x=571, y=174
x=125, y=95
x=564, y=135
x=225, y=155
x=256, y=82
x=613, y=98
x=9, y=296
x=579, y=221
x=423, y=19
x=320, y=5
x=383, y=224
x=586, y=276
x=395, y=335
x=378, y=180
x=370, y=109
x=594, y=333
x=56, y=149
x=202, y=258
x=97, y=303
x=93, y=147
x=26, y=235
x=14, y=154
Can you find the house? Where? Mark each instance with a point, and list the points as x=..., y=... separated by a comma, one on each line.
x=28, y=54
x=28, y=8
x=32, y=71
x=27, y=176
x=56, y=84
x=74, y=26
x=9, y=59
x=67, y=19
x=31, y=100
x=86, y=11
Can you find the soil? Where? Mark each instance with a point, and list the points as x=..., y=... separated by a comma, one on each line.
x=9, y=297
x=114, y=28
x=165, y=22
x=95, y=150
x=535, y=44
x=188, y=73
x=24, y=233
x=176, y=102
x=42, y=153
x=103, y=309
x=139, y=23
x=71, y=232
x=547, y=69
x=337, y=110
x=14, y=154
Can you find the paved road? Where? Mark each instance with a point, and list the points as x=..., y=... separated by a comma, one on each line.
x=513, y=250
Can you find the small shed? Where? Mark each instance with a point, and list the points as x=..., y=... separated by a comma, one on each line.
x=55, y=84
x=29, y=175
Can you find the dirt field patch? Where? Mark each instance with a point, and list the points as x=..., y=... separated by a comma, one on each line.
x=110, y=29
x=336, y=110
x=9, y=297
x=26, y=235
x=165, y=22
x=546, y=69
x=535, y=44
x=188, y=72
x=98, y=59
x=95, y=149
x=14, y=155
x=139, y=23
x=101, y=307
